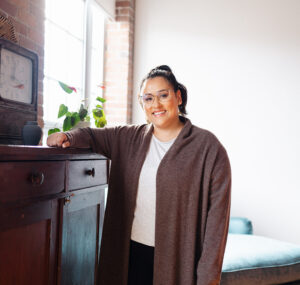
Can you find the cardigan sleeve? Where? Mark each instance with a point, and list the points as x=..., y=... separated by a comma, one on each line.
x=209, y=267
x=100, y=140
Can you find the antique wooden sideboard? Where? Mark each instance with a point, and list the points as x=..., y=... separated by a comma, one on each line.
x=51, y=215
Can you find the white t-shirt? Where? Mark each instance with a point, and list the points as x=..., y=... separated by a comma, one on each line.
x=143, y=228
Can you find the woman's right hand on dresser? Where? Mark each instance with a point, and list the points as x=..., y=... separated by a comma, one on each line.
x=58, y=140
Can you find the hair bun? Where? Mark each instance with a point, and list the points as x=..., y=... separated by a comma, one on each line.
x=164, y=67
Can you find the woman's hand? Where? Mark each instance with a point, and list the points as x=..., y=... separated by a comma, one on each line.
x=59, y=140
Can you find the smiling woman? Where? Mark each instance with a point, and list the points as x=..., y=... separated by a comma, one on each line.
x=164, y=223
x=163, y=108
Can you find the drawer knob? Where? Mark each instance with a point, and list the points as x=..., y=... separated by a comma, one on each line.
x=90, y=172
x=37, y=178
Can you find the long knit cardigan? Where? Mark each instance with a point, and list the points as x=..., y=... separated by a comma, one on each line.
x=193, y=187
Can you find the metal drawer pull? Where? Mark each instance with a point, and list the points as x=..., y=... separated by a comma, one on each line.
x=37, y=178
x=90, y=172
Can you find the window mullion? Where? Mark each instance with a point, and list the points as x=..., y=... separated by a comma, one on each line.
x=87, y=51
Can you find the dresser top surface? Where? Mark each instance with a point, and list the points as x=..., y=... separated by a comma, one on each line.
x=21, y=152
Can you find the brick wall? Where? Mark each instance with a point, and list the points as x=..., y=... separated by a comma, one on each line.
x=28, y=18
x=118, y=64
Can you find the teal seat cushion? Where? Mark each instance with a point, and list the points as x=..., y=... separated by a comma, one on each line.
x=240, y=225
x=252, y=259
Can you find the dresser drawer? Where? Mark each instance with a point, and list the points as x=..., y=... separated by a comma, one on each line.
x=21, y=180
x=86, y=173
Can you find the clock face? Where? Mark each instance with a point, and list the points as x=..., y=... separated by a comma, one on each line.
x=15, y=77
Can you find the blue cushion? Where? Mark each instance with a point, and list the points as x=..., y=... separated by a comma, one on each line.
x=239, y=225
x=252, y=259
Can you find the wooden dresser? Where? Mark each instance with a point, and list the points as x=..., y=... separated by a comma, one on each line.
x=51, y=215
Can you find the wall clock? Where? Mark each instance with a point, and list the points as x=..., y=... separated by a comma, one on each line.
x=18, y=90
x=15, y=76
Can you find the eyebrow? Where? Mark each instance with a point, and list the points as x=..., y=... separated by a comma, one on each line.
x=156, y=91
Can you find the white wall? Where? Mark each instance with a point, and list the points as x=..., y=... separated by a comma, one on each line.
x=240, y=60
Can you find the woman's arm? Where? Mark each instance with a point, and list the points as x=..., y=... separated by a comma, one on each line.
x=210, y=264
x=99, y=140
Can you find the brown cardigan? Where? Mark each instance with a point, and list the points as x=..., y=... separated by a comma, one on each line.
x=192, y=203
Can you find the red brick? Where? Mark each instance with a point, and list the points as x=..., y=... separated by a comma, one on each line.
x=2, y=13
x=40, y=110
x=39, y=3
x=40, y=51
x=41, y=63
x=40, y=98
x=123, y=18
x=36, y=48
x=116, y=34
x=116, y=105
x=19, y=3
x=37, y=12
x=123, y=4
x=114, y=96
x=19, y=27
x=117, y=111
x=9, y=8
x=125, y=26
x=124, y=11
x=118, y=69
x=37, y=36
x=40, y=86
x=40, y=121
x=26, y=43
x=41, y=74
x=27, y=18
x=118, y=61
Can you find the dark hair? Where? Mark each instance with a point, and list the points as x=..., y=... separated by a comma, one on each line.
x=166, y=72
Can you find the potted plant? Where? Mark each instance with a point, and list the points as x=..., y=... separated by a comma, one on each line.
x=73, y=119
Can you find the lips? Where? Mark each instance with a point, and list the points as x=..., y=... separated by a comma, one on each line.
x=159, y=113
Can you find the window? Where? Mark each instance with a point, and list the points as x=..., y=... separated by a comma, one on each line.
x=74, y=42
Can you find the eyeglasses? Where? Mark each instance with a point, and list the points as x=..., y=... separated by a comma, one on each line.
x=162, y=96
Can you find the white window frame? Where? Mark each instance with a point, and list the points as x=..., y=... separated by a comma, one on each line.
x=87, y=61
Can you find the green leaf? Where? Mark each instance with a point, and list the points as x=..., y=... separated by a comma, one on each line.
x=65, y=87
x=52, y=131
x=87, y=118
x=99, y=106
x=67, y=124
x=75, y=118
x=82, y=112
x=100, y=122
x=63, y=109
x=97, y=113
x=102, y=100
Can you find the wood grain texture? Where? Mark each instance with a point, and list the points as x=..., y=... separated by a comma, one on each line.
x=28, y=241
x=78, y=176
x=22, y=173
x=17, y=153
x=49, y=235
x=82, y=224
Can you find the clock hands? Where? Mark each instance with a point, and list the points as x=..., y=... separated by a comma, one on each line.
x=19, y=86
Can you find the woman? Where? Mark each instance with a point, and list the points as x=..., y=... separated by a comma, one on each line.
x=168, y=203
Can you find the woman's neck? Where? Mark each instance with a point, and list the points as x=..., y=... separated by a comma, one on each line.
x=168, y=133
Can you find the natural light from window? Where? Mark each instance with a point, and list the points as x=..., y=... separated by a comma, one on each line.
x=74, y=43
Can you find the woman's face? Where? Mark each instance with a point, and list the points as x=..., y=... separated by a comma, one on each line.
x=161, y=114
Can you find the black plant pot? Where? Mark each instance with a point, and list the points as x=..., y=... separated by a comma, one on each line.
x=31, y=133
